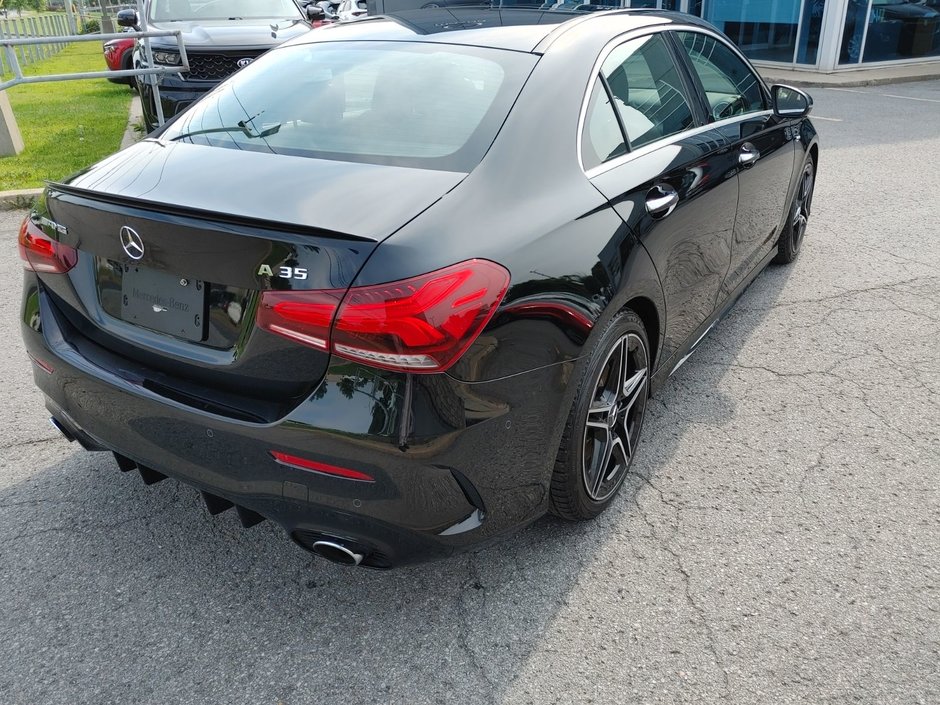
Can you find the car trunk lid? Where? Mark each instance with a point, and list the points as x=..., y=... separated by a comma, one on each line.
x=173, y=289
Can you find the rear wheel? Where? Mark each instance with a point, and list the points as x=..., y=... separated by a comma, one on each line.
x=791, y=239
x=605, y=422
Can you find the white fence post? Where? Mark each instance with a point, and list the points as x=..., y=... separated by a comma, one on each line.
x=34, y=31
x=11, y=141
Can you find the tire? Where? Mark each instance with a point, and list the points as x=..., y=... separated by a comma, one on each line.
x=608, y=410
x=791, y=239
x=127, y=64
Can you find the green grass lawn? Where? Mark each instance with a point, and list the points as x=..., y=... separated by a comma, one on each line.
x=66, y=125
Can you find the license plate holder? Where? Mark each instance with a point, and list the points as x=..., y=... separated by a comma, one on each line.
x=163, y=302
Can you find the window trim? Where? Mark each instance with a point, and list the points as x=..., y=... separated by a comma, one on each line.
x=686, y=61
x=672, y=139
x=686, y=90
x=601, y=81
x=617, y=116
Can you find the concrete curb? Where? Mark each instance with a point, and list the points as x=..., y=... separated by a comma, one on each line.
x=24, y=198
x=850, y=79
x=135, y=118
x=20, y=198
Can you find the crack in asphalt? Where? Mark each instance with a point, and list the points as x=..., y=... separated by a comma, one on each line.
x=847, y=293
x=815, y=465
x=472, y=585
x=711, y=640
x=34, y=442
x=100, y=526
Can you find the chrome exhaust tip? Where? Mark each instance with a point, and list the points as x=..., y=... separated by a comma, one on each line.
x=62, y=428
x=337, y=553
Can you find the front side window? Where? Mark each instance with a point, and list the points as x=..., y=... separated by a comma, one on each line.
x=731, y=88
x=420, y=105
x=647, y=91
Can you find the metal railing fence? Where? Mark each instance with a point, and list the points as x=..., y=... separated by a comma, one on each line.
x=35, y=26
x=10, y=47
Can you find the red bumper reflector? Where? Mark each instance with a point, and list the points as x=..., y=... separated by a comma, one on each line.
x=322, y=468
x=41, y=364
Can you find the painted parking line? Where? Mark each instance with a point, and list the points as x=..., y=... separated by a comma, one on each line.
x=828, y=119
x=884, y=95
x=908, y=97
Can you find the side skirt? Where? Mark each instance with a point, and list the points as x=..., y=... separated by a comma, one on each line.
x=668, y=368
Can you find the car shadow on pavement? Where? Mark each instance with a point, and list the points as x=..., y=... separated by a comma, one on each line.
x=114, y=591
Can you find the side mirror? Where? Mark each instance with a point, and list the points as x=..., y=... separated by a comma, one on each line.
x=790, y=102
x=128, y=18
x=315, y=13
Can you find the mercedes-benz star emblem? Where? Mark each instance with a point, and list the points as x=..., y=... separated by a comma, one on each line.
x=132, y=243
x=242, y=63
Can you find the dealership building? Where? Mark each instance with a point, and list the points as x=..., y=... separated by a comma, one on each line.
x=823, y=35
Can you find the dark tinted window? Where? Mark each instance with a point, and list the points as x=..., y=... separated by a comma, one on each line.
x=421, y=105
x=730, y=86
x=647, y=90
x=601, y=138
x=199, y=10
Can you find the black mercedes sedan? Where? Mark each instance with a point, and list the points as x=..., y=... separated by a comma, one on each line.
x=406, y=284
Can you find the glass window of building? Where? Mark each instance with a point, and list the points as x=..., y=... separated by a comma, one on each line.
x=786, y=31
x=889, y=30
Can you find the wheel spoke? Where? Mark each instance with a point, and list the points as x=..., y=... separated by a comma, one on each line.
x=600, y=459
x=627, y=436
x=633, y=388
x=605, y=471
x=598, y=414
x=623, y=355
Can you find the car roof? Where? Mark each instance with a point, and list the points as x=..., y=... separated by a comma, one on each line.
x=515, y=29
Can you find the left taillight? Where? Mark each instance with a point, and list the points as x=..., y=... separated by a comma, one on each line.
x=40, y=253
x=421, y=324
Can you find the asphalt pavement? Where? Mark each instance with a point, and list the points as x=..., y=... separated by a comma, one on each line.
x=779, y=544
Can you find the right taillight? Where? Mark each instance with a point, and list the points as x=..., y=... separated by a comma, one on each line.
x=41, y=253
x=421, y=324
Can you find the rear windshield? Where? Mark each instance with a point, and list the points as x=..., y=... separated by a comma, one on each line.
x=423, y=105
x=176, y=10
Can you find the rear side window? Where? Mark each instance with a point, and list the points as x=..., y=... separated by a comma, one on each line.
x=647, y=91
x=731, y=88
x=420, y=105
x=601, y=137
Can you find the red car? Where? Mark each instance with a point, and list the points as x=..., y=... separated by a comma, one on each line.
x=119, y=55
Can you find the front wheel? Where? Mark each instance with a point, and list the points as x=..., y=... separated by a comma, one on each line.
x=791, y=239
x=603, y=428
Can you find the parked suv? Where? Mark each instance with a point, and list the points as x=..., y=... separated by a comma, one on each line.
x=220, y=37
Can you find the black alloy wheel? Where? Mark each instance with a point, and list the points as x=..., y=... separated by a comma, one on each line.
x=604, y=428
x=791, y=239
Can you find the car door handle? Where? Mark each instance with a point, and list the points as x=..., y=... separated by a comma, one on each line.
x=748, y=155
x=661, y=200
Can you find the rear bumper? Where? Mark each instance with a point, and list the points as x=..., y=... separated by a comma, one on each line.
x=455, y=465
